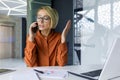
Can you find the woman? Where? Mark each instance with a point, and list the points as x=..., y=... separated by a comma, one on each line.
x=44, y=46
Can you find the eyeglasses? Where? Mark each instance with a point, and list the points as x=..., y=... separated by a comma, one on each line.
x=45, y=18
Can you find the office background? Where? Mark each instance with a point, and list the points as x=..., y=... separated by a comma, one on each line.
x=95, y=26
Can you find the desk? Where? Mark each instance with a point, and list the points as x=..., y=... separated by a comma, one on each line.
x=25, y=73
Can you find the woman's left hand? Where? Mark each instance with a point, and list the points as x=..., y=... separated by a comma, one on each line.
x=65, y=31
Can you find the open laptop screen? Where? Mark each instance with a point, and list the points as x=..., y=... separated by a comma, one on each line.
x=111, y=70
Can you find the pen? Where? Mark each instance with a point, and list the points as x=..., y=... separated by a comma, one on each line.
x=38, y=76
x=39, y=71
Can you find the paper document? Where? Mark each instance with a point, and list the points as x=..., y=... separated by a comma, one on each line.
x=51, y=73
x=27, y=74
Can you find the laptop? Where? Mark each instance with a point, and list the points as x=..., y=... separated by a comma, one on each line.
x=111, y=69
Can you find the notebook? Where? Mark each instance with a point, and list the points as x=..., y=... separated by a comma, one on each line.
x=52, y=73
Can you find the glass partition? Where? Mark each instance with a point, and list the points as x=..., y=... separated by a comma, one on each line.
x=96, y=28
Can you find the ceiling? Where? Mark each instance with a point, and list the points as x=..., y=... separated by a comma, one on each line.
x=89, y=4
x=13, y=7
x=93, y=3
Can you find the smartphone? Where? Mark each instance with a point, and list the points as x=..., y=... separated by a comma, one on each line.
x=35, y=28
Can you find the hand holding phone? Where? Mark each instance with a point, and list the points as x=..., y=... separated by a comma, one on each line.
x=34, y=29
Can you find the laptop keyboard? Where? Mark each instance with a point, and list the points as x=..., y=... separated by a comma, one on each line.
x=94, y=73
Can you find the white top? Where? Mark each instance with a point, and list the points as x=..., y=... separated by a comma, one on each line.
x=29, y=74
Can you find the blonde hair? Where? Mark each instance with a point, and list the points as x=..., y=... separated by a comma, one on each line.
x=53, y=14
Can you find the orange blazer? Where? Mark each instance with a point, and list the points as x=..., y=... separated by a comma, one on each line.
x=46, y=51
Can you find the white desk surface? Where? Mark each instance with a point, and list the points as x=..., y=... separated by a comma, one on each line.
x=25, y=73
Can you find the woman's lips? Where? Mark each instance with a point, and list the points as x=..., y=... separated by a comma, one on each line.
x=41, y=26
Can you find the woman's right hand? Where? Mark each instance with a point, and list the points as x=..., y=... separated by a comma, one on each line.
x=32, y=31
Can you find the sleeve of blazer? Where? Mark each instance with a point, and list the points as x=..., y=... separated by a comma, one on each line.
x=62, y=55
x=30, y=54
